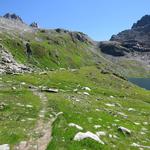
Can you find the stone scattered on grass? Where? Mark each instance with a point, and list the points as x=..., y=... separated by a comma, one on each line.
x=115, y=136
x=122, y=114
x=29, y=106
x=116, y=120
x=2, y=105
x=74, y=99
x=131, y=109
x=80, y=136
x=41, y=116
x=137, y=123
x=145, y=123
x=4, y=147
x=30, y=119
x=50, y=90
x=75, y=90
x=58, y=114
x=23, y=120
x=144, y=129
x=19, y=104
x=14, y=88
x=114, y=124
x=97, y=126
x=142, y=133
x=75, y=125
x=111, y=96
x=43, y=73
x=110, y=105
x=117, y=104
x=23, y=83
x=97, y=109
x=86, y=88
x=124, y=130
x=100, y=133
x=86, y=93
x=73, y=70
x=140, y=146
x=51, y=116
x=110, y=135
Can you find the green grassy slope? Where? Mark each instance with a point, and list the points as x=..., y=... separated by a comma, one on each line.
x=86, y=111
x=133, y=68
x=16, y=117
x=51, y=49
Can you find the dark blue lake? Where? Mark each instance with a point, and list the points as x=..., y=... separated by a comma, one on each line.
x=142, y=82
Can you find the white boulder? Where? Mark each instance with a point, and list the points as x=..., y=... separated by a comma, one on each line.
x=124, y=130
x=110, y=105
x=80, y=136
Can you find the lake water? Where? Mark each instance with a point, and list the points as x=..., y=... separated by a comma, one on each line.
x=142, y=82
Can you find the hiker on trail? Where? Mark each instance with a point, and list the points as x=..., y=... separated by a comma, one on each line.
x=28, y=50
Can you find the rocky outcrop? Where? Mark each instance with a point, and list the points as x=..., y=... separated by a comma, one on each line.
x=9, y=65
x=145, y=20
x=138, y=37
x=13, y=17
x=75, y=36
x=12, y=23
x=79, y=36
x=34, y=25
x=113, y=48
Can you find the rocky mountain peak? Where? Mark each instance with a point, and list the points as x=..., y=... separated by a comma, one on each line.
x=13, y=16
x=34, y=25
x=144, y=21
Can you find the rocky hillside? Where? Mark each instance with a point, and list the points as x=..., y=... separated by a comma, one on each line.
x=130, y=48
x=51, y=49
x=60, y=48
x=138, y=37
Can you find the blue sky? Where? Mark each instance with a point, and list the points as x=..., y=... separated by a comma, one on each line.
x=97, y=18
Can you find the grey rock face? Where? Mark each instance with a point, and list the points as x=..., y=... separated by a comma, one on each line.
x=13, y=16
x=79, y=36
x=113, y=48
x=9, y=65
x=145, y=20
x=136, y=38
x=34, y=25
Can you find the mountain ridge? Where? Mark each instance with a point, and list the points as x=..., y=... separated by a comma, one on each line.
x=54, y=48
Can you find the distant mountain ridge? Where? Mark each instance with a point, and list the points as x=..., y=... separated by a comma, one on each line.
x=130, y=49
x=51, y=48
x=138, y=37
x=60, y=48
x=13, y=16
